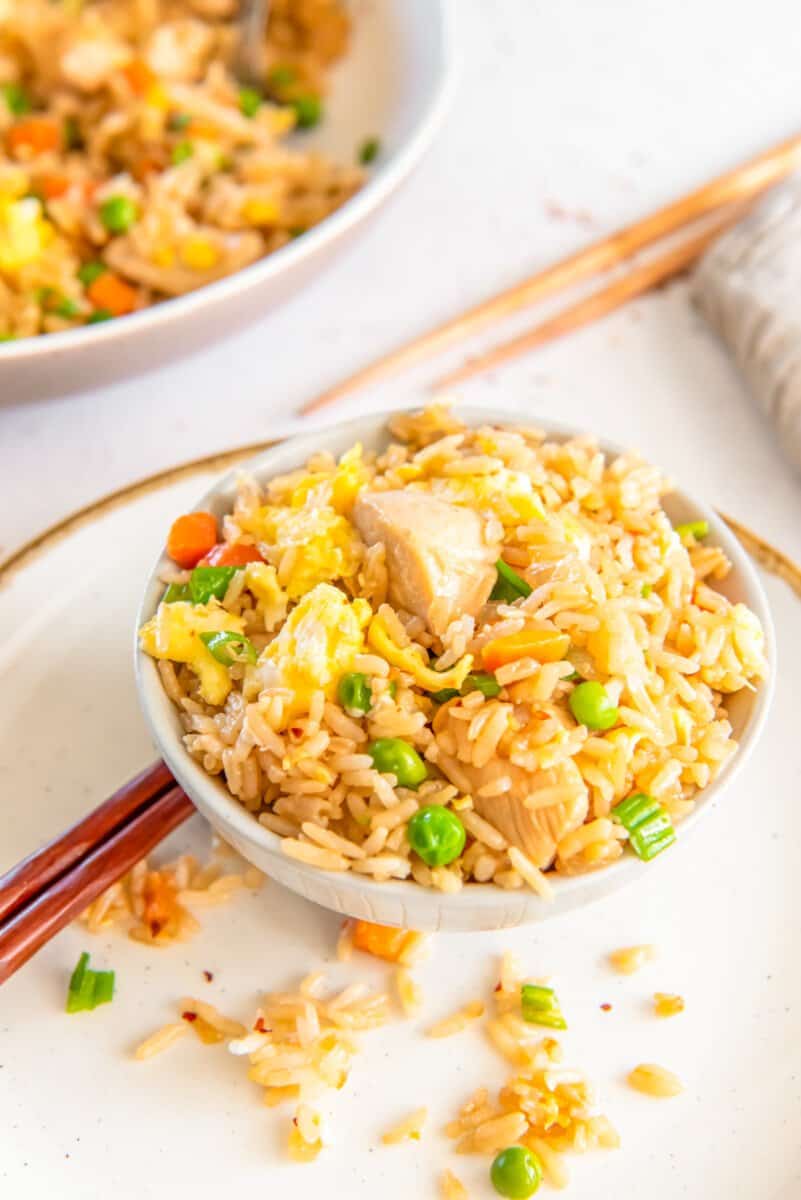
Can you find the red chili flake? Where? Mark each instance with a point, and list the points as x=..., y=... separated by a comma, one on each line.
x=156, y=928
x=260, y=1026
x=497, y=987
x=296, y=732
x=189, y=1016
x=207, y=975
x=606, y=1007
x=294, y=1120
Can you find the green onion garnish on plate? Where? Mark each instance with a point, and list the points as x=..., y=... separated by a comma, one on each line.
x=649, y=825
x=699, y=530
x=541, y=1006
x=88, y=988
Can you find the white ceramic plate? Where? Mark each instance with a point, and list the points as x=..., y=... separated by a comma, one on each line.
x=80, y=1120
x=394, y=83
x=477, y=906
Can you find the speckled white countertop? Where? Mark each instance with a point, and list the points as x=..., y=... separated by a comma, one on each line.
x=569, y=119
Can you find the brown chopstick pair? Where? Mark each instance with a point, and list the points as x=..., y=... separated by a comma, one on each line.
x=726, y=197
x=51, y=887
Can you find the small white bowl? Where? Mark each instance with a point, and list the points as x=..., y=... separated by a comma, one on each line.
x=395, y=83
x=476, y=906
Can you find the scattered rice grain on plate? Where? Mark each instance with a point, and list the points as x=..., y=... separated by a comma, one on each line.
x=653, y=1080
x=630, y=959
x=409, y=1129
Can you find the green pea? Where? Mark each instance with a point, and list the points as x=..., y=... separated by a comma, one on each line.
x=436, y=834
x=590, y=704
x=393, y=756
x=250, y=101
x=119, y=213
x=181, y=152
x=16, y=98
x=354, y=692
x=178, y=122
x=516, y=1173
x=308, y=111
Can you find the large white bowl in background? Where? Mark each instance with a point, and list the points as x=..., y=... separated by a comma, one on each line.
x=394, y=83
x=477, y=906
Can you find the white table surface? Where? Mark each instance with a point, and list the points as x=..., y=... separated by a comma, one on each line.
x=602, y=110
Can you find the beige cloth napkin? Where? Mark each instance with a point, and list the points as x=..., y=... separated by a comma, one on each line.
x=748, y=286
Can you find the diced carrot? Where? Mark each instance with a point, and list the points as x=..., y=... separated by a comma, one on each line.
x=380, y=940
x=190, y=537
x=37, y=134
x=139, y=76
x=53, y=186
x=544, y=645
x=148, y=165
x=110, y=292
x=225, y=554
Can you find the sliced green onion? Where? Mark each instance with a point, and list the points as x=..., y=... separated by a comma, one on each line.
x=308, y=110
x=88, y=988
x=481, y=682
x=178, y=122
x=369, y=151
x=573, y=677
x=297, y=231
x=16, y=98
x=509, y=586
x=540, y=1006
x=88, y=272
x=649, y=825
x=645, y=590
x=250, y=101
x=205, y=582
x=181, y=152
x=229, y=647
x=100, y=314
x=8, y=337
x=699, y=529
x=175, y=592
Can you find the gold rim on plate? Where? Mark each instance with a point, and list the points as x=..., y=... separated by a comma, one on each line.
x=773, y=560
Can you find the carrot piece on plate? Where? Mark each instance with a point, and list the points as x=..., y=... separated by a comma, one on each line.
x=383, y=941
x=231, y=554
x=36, y=134
x=544, y=645
x=110, y=292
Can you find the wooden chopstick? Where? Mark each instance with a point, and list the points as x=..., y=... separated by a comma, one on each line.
x=742, y=183
x=597, y=304
x=20, y=885
x=34, y=922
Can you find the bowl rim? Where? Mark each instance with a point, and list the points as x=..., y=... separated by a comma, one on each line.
x=379, y=187
x=161, y=716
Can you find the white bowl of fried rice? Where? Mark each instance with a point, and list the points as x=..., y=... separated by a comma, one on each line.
x=150, y=203
x=573, y=656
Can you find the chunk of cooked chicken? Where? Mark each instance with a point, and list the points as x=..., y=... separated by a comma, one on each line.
x=538, y=810
x=439, y=563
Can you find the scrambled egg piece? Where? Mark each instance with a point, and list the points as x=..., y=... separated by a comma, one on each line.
x=506, y=493
x=316, y=646
x=410, y=661
x=337, y=488
x=24, y=233
x=173, y=633
x=271, y=599
x=328, y=546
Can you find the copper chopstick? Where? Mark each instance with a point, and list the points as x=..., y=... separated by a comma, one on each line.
x=35, y=923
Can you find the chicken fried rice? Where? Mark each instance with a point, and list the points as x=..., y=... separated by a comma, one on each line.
x=134, y=166
x=477, y=656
